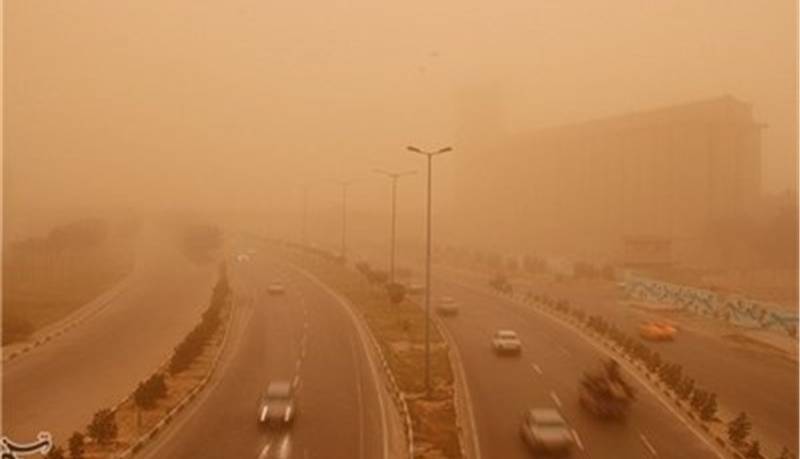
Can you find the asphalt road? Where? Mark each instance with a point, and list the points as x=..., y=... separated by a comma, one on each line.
x=763, y=384
x=305, y=336
x=59, y=386
x=546, y=375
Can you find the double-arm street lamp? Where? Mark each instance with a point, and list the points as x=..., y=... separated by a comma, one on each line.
x=430, y=155
x=394, y=176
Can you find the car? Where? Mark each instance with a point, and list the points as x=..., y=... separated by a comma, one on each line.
x=277, y=406
x=447, y=306
x=415, y=288
x=544, y=430
x=657, y=331
x=276, y=288
x=506, y=342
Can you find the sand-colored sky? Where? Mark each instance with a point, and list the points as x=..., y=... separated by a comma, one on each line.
x=210, y=104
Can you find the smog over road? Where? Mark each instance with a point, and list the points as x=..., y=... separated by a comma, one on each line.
x=478, y=230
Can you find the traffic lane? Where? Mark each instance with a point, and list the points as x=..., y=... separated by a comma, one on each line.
x=736, y=373
x=340, y=394
x=225, y=423
x=551, y=365
x=337, y=412
x=57, y=387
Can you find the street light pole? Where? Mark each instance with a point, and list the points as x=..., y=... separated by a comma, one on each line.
x=394, y=176
x=344, y=184
x=430, y=155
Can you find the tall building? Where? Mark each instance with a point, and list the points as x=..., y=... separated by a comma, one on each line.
x=582, y=190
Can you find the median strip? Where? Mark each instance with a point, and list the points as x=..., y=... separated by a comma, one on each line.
x=397, y=330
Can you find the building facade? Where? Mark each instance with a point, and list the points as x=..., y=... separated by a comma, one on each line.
x=582, y=190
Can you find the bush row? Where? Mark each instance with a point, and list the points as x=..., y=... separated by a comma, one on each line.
x=703, y=403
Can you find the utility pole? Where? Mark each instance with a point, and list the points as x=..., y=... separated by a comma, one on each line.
x=394, y=176
x=429, y=155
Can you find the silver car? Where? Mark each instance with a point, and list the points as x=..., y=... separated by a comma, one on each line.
x=277, y=406
x=545, y=430
x=447, y=306
x=506, y=342
x=276, y=288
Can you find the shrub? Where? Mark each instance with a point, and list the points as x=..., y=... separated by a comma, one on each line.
x=396, y=292
x=754, y=451
x=739, y=429
x=103, y=428
x=76, y=449
x=150, y=391
x=709, y=409
x=55, y=453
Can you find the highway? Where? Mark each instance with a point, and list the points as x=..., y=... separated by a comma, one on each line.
x=305, y=336
x=57, y=387
x=763, y=384
x=546, y=375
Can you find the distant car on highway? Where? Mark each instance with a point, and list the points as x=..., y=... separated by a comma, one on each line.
x=657, y=331
x=276, y=288
x=506, y=342
x=544, y=430
x=447, y=306
x=277, y=407
x=415, y=289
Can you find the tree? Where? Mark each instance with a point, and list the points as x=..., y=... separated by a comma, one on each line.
x=754, y=451
x=739, y=429
x=698, y=399
x=709, y=409
x=685, y=388
x=56, y=453
x=103, y=428
x=150, y=391
x=76, y=449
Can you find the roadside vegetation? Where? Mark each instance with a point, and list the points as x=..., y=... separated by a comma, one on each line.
x=398, y=326
x=699, y=403
x=155, y=400
x=46, y=278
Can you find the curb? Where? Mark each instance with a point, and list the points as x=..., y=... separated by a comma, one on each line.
x=389, y=381
x=634, y=367
x=465, y=417
x=75, y=318
x=150, y=435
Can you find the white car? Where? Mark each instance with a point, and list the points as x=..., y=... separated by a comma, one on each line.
x=276, y=288
x=545, y=430
x=415, y=289
x=276, y=406
x=447, y=306
x=506, y=342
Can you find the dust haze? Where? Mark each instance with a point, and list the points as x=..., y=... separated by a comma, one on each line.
x=231, y=109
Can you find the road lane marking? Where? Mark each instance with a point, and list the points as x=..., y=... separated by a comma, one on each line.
x=555, y=398
x=296, y=381
x=537, y=369
x=564, y=351
x=265, y=451
x=648, y=445
x=577, y=439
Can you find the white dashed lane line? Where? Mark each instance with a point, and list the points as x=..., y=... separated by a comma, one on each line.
x=648, y=445
x=537, y=369
x=555, y=398
x=577, y=438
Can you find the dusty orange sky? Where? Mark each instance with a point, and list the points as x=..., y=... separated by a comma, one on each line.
x=224, y=104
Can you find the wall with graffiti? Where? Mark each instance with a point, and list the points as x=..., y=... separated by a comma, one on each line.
x=730, y=308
